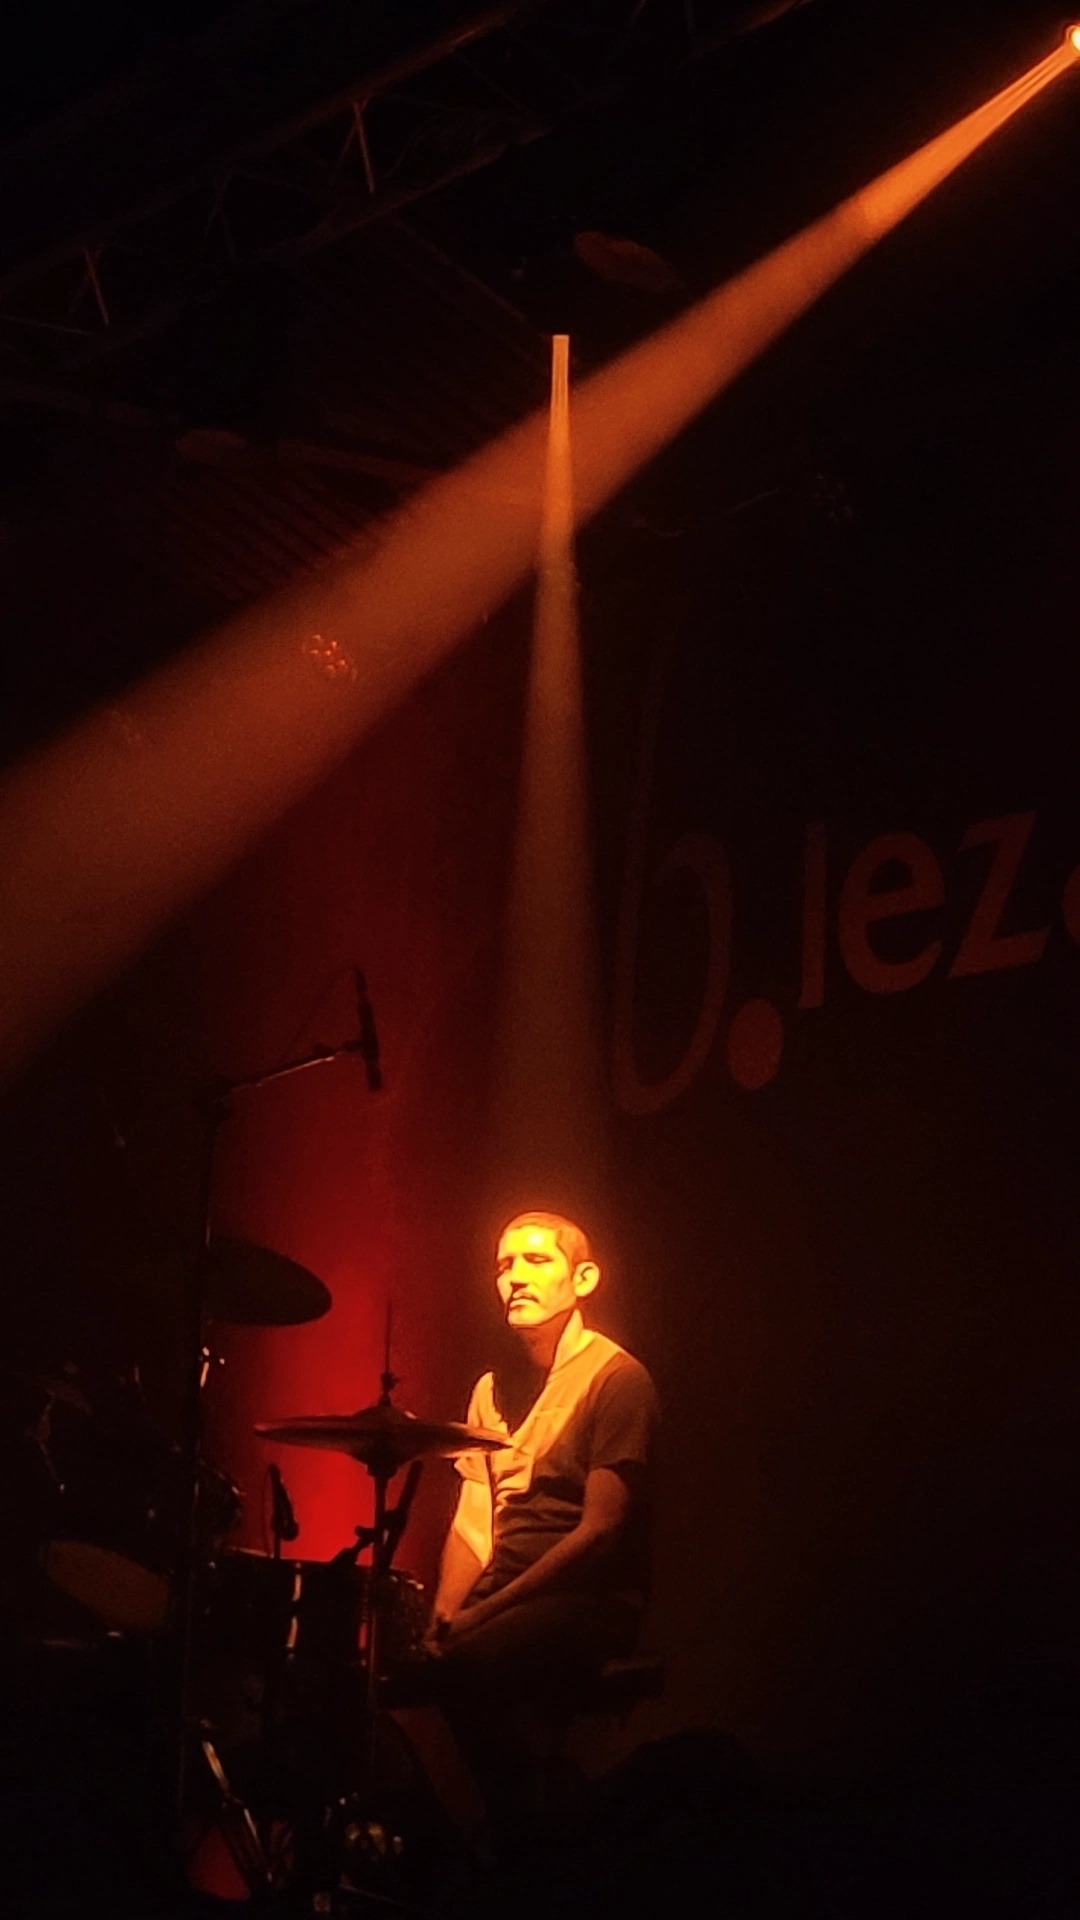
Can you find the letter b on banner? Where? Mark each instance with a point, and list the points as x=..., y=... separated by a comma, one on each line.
x=702, y=855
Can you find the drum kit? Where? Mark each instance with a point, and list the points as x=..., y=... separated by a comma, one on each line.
x=284, y=1663
x=268, y=1674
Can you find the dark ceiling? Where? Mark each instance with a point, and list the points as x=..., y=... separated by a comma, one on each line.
x=265, y=270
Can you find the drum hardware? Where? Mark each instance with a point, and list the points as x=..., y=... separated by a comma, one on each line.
x=284, y=1526
x=288, y=1653
x=337, y=1630
x=115, y=1537
x=381, y=1438
x=229, y=1280
x=152, y=1529
x=281, y=1678
x=237, y=1827
x=289, y=1632
x=111, y=1532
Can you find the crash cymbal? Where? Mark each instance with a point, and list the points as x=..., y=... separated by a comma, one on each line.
x=382, y=1436
x=252, y=1286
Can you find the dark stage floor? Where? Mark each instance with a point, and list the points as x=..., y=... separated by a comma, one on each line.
x=986, y=1822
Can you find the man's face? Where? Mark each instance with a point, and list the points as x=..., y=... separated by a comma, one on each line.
x=534, y=1276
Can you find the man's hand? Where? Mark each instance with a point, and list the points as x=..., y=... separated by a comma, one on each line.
x=466, y=1621
x=604, y=1515
x=459, y=1571
x=439, y=1629
x=605, y=1510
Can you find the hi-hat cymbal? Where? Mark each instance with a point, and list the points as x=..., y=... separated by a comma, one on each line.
x=382, y=1437
x=252, y=1286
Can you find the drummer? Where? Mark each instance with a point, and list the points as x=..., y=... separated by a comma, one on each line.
x=545, y=1570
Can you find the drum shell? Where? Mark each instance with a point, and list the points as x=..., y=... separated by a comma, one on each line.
x=113, y=1539
x=119, y=1530
x=279, y=1673
x=262, y=1615
x=259, y=1612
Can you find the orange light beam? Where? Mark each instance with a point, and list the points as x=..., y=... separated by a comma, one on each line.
x=546, y=1078
x=132, y=813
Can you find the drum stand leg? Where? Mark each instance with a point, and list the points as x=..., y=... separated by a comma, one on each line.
x=388, y=1525
x=212, y=1109
x=373, y=1649
x=238, y=1829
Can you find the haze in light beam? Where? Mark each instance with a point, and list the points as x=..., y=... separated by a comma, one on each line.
x=546, y=1080
x=135, y=811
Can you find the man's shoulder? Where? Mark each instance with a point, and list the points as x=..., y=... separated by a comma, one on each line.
x=482, y=1399
x=622, y=1410
x=613, y=1364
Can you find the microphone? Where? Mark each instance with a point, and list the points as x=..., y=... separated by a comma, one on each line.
x=368, y=1046
x=283, y=1522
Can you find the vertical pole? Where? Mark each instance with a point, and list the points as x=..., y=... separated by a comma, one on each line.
x=373, y=1651
x=213, y=1113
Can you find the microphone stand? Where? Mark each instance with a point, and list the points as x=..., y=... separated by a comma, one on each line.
x=213, y=1107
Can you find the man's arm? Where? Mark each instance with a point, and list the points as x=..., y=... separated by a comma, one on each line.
x=467, y=1550
x=604, y=1514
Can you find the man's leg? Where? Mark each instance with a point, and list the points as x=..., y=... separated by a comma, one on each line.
x=490, y=1682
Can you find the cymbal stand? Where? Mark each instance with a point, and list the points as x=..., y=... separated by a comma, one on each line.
x=382, y=1472
x=387, y=1527
x=213, y=1107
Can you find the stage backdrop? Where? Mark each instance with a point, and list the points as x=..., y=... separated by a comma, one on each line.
x=838, y=885
x=830, y=666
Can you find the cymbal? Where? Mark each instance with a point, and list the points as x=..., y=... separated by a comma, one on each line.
x=253, y=1286
x=382, y=1437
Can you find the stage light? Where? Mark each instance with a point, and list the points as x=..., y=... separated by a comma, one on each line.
x=120, y=823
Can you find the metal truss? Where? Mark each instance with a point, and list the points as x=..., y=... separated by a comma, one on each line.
x=409, y=125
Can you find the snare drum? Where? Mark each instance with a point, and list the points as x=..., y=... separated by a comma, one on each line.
x=265, y=1617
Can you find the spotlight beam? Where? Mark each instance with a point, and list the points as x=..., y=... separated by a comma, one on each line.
x=126, y=818
x=546, y=1073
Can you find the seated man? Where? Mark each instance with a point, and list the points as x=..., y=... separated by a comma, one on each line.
x=544, y=1575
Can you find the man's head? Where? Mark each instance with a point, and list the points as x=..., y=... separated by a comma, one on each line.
x=543, y=1269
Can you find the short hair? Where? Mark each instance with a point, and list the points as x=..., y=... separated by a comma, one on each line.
x=570, y=1238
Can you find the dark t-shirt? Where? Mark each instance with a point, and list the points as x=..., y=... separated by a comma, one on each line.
x=596, y=1409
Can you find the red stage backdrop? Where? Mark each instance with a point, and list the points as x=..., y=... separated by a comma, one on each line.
x=395, y=866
